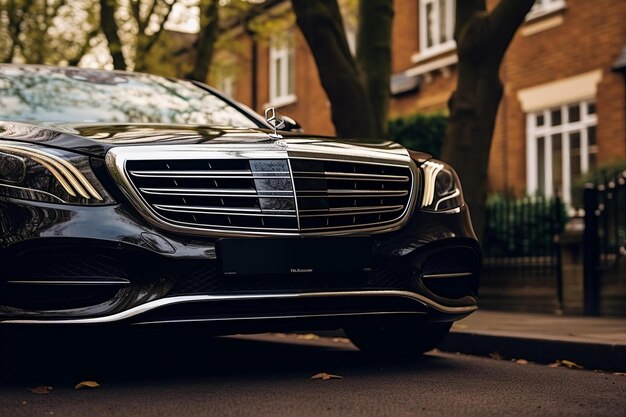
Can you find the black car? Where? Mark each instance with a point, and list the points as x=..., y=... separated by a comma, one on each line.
x=136, y=199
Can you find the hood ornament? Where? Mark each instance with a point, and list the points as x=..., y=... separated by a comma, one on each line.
x=275, y=120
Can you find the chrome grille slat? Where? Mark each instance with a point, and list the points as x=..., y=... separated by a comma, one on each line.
x=349, y=178
x=352, y=193
x=350, y=210
x=289, y=195
x=229, y=212
x=210, y=192
x=352, y=213
x=349, y=175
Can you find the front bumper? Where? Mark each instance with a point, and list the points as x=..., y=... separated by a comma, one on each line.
x=96, y=265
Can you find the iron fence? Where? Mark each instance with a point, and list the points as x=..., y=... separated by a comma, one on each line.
x=605, y=235
x=521, y=238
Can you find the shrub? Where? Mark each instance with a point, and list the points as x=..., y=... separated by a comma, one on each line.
x=598, y=175
x=420, y=132
x=522, y=227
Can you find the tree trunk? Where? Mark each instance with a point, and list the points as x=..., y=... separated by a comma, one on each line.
x=482, y=38
x=206, y=40
x=321, y=23
x=109, y=28
x=374, y=57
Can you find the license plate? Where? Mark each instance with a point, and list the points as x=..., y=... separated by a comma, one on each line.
x=294, y=256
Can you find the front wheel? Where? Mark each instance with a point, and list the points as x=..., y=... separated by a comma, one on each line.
x=397, y=336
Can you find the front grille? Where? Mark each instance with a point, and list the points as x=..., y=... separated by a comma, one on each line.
x=257, y=195
x=207, y=279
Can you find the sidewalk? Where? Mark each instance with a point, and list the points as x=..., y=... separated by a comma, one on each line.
x=593, y=342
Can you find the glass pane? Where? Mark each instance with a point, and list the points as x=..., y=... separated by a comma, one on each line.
x=591, y=135
x=540, y=119
x=442, y=21
x=555, y=117
x=541, y=166
x=574, y=155
x=429, y=25
x=557, y=167
x=593, y=153
x=591, y=108
x=291, y=71
x=278, y=79
x=573, y=113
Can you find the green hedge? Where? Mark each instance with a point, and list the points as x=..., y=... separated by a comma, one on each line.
x=598, y=175
x=420, y=132
x=522, y=227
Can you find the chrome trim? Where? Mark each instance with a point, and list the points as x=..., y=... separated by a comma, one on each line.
x=286, y=317
x=225, y=210
x=366, y=210
x=163, y=302
x=456, y=193
x=449, y=275
x=295, y=196
x=311, y=149
x=350, y=175
x=309, y=177
x=70, y=282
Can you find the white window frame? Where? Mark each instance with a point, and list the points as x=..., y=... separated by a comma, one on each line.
x=438, y=47
x=544, y=7
x=227, y=85
x=565, y=129
x=280, y=50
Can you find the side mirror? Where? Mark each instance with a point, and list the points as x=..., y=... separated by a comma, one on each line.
x=291, y=125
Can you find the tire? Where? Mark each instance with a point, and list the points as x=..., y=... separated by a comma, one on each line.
x=397, y=337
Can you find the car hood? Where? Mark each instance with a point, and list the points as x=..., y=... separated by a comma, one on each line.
x=95, y=139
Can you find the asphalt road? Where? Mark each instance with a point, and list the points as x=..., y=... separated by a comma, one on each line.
x=181, y=374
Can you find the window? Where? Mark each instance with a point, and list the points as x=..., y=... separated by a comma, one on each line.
x=543, y=7
x=561, y=147
x=282, y=72
x=225, y=81
x=436, y=26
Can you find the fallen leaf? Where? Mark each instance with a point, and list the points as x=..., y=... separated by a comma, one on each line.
x=522, y=361
x=495, y=355
x=324, y=376
x=341, y=340
x=566, y=363
x=307, y=336
x=42, y=389
x=571, y=364
x=619, y=373
x=87, y=384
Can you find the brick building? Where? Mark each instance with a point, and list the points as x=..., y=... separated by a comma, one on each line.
x=563, y=109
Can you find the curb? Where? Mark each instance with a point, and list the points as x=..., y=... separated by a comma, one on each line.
x=604, y=356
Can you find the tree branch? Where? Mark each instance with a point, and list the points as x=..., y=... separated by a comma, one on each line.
x=206, y=40
x=154, y=37
x=504, y=20
x=465, y=10
x=321, y=23
x=86, y=46
x=109, y=28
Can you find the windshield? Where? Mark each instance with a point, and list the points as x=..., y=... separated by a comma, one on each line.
x=75, y=95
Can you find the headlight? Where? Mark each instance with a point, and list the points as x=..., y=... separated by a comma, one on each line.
x=38, y=173
x=442, y=188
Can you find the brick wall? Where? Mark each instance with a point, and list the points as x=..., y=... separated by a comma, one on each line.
x=589, y=35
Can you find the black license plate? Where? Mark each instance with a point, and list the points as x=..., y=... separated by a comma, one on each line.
x=294, y=256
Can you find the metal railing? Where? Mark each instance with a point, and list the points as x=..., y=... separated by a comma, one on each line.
x=521, y=236
x=605, y=235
